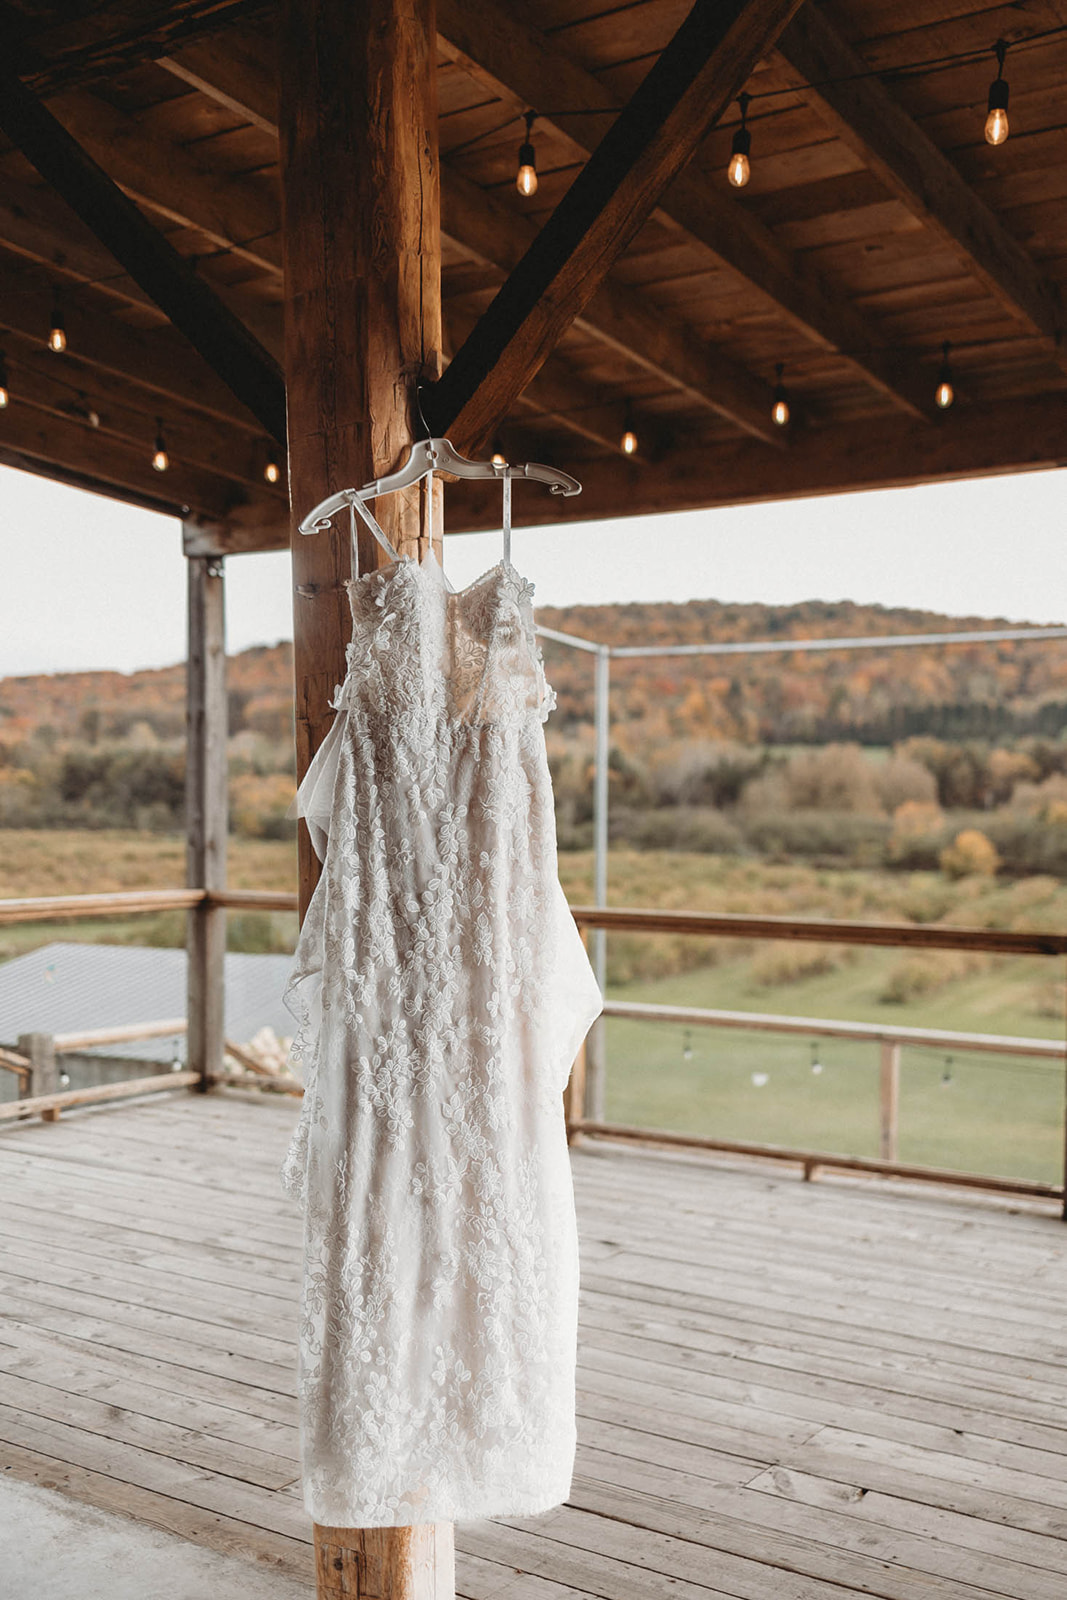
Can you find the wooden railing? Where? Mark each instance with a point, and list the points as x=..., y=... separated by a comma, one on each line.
x=891, y=1039
x=925, y=936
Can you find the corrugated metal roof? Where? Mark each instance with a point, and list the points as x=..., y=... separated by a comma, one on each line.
x=70, y=988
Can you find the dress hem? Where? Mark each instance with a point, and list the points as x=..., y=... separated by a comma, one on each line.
x=530, y=1506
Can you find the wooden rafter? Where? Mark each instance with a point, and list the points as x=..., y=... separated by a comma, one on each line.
x=684, y=94
x=240, y=218
x=487, y=230
x=527, y=68
x=224, y=342
x=490, y=231
x=39, y=440
x=864, y=116
x=112, y=37
x=157, y=362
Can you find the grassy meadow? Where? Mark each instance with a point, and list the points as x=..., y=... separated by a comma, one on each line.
x=988, y=1113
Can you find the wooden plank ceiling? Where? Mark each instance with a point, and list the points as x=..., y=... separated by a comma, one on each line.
x=877, y=224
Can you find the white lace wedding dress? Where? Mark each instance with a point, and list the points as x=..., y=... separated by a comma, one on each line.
x=441, y=991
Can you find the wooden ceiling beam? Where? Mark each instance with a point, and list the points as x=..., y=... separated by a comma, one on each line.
x=254, y=91
x=108, y=39
x=561, y=398
x=37, y=225
x=865, y=117
x=41, y=379
x=683, y=95
x=54, y=446
x=489, y=231
x=221, y=338
x=967, y=442
x=524, y=67
x=241, y=218
x=158, y=362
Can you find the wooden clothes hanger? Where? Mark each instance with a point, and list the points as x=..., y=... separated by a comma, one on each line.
x=426, y=457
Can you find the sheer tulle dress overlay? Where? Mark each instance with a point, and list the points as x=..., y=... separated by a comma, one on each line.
x=441, y=991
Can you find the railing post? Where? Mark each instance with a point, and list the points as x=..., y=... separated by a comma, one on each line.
x=206, y=813
x=40, y=1051
x=890, y=1098
x=596, y=1045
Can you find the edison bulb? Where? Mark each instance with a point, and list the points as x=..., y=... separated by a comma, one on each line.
x=57, y=339
x=161, y=460
x=739, y=171
x=526, y=181
x=272, y=471
x=5, y=398
x=629, y=443
x=944, y=394
x=996, y=126
x=780, y=412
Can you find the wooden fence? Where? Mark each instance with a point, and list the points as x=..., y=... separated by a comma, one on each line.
x=699, y=923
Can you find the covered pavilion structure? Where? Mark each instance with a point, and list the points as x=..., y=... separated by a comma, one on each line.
x=250, y=252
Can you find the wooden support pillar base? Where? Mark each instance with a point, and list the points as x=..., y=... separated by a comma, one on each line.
x=385, y=1563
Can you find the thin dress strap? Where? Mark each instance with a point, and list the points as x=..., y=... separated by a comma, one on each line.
x=356, y=508
x=507, y=519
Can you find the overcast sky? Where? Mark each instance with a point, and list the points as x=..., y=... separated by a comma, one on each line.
x=88, y=583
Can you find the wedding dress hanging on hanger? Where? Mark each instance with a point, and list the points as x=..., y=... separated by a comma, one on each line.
x=441, y=991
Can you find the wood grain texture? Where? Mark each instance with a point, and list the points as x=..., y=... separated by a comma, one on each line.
x=683, y=95
x=363, y=319
x=864, y=115
x=206, y=811
x=823, y=1391
x=223, y=341
x=528, y=68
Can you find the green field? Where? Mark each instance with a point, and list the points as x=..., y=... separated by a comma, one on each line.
x=994, y=1114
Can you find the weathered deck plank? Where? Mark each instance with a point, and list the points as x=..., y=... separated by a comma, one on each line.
x=786, y=1391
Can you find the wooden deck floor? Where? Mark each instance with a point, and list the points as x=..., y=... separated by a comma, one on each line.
x=787, y=1391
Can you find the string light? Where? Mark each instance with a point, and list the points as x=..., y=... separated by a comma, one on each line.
x=272, y=471
x=946, y=1076
x=740, y=168
x=816, y=1064
x=161, y=460
x=996, y=122
x=687, y=1046
x=5, y=394
x=780, y=408
x=526, y=177
x=628, y=442
x=57, y=332
x=944, y=394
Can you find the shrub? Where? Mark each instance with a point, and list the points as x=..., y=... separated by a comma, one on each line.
x=971, y=854
x=914, y=976
x=788, y=962
x=904, y=781
x=918, y=834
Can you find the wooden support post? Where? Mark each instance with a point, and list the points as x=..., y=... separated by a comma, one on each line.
x=361, y=233
x=40, y=1051
x=889, y=1099
x=206, y=813
x=385, y=1563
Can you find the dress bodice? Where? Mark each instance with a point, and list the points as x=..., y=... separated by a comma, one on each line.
x=469, y=655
